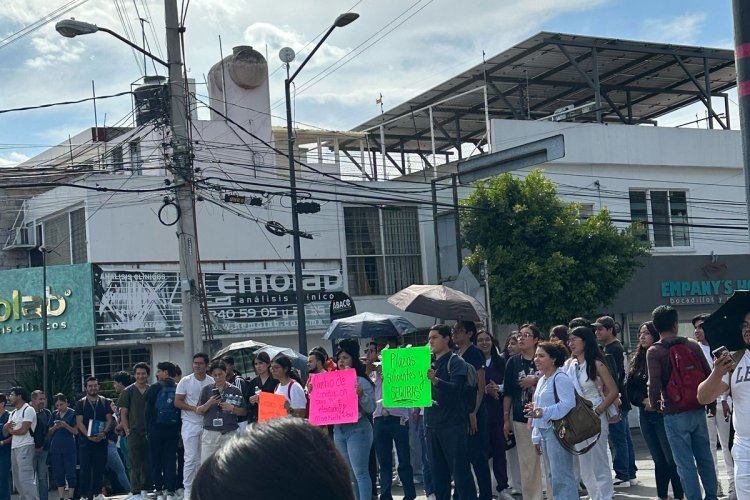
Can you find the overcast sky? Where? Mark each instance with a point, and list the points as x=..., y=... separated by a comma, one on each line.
x=399, y=48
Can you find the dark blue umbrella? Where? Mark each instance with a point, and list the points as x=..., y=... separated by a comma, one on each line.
x=369, y=325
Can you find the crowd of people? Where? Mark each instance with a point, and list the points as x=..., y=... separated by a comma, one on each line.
x=492, y=418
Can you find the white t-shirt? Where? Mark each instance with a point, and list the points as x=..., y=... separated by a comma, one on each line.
x=298, y=400
x=191, y=387
x=25, y=414
x=739, y=383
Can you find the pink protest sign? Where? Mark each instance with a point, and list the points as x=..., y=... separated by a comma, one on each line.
x=333, y=398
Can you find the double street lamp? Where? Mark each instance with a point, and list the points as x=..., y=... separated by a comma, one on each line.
x=287, y=56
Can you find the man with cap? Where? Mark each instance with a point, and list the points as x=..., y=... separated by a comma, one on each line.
x=623, y=459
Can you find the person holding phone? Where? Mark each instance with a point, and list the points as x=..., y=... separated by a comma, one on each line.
x=728, y=374
x=220, y=404
x=62, y=446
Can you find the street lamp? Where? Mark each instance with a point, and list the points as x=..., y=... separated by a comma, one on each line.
x=287, y=56
x=71, y=28
x=182, y=164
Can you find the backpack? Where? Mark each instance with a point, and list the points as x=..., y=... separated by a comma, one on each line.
x=166, y=412
x=41, y=431
x=686, y=375
x=469, y=390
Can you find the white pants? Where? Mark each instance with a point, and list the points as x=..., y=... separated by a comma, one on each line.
x=718, y=428
x=741, y=455
x=191, y=440
x=596, y=466
x=212, y=441
x=514, y=469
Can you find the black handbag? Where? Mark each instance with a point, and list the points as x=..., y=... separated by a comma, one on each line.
x=581, y=423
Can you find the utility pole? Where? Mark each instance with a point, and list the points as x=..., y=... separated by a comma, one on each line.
x=182, y=163
x=741, y=14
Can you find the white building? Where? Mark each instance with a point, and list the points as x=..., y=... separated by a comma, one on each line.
x=372, y=238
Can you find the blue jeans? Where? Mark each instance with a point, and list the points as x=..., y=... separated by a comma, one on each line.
x=623, y=453
x=5, y=472
x=687, y=433
x=559, y=466
x=450, y=458
x=115, y=464
x=652, y=428
x=354, y=442
x=42, y=474
x=390, y=430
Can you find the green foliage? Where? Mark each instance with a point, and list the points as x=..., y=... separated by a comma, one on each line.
x=61, y=376
x=545, y=264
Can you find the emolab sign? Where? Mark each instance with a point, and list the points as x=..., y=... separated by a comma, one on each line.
x=69, y=302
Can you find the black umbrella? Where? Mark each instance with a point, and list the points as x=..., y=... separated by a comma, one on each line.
x=724, y=326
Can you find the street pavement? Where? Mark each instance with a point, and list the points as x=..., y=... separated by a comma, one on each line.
x=646, y=478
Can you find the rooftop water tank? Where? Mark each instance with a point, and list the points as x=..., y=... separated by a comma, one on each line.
x=151, y=99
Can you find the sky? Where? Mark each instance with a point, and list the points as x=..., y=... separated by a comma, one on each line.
x=397, y=48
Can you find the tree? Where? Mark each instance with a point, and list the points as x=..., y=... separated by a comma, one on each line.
x=61, y=376
x=544, y=262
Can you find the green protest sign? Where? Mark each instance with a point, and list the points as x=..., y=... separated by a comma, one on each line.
x=405, y=382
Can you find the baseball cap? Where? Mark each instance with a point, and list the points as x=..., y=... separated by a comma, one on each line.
x=605, y=321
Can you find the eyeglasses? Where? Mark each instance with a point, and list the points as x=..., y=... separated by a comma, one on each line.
x=526, y=335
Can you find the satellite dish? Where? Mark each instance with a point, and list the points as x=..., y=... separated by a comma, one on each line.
x=286, y=55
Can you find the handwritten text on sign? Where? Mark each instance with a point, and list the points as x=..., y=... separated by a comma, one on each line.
x=405, y=382
x=333, y=399
x=271, y=406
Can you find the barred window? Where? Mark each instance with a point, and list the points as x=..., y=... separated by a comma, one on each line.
x=383, y=249
x=664, y=215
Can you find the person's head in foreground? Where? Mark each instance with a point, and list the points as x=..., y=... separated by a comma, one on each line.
x=283, y=458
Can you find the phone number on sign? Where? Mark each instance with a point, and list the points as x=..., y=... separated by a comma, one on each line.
x=267, y=312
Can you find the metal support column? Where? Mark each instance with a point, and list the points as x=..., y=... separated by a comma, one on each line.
x=457, y=221
x=741, y=13
x=726, y=111
x=707, y=83
x=432, y=141
x=597, y=86
x=433, y=189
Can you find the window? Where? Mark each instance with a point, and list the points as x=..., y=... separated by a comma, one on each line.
x=116, y=160
x=65, y=236
x=383, y=249
x=585, y=211
x=667, y=213
x=136, y=163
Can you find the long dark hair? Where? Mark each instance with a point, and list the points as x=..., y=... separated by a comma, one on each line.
x=351, y=348
x=494, y=350
x=513, y=336
x=283, y=361
x=286, y=473
x=591, y=350
x=639, y=360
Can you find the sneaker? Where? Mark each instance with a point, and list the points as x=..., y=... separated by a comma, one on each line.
x=515, y=492
x=144, y=495
x=431, y=496
x=160, y=496
x=186, y=494
x=180, y=493
x=634, y=482
x=621, y=483
x=170, y=496
x=99, y=497
x=505, y=495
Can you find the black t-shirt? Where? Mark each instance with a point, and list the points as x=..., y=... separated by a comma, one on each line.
x=97, y=411
x=473, y=356
x=516, y=369
x=41, y=430
x=269, y=386
x=449, y=409
x=616, y=354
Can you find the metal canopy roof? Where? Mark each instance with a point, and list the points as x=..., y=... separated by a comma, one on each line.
x=632, y=82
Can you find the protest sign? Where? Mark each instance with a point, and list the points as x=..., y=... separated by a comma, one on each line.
x=405, y=382
x=333, y=398
x=271, y=406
